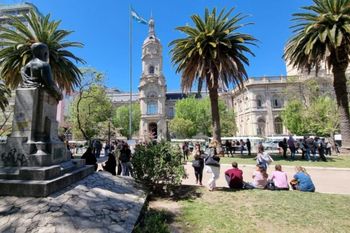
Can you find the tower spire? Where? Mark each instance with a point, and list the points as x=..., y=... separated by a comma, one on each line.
x=151, y=32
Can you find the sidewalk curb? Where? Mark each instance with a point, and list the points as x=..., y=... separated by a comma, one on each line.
x=289, y=166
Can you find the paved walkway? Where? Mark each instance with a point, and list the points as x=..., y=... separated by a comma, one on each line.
x=99, y=203
x=326, y=180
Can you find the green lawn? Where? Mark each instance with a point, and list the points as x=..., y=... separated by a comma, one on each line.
x=333, y=161
x=264, y=211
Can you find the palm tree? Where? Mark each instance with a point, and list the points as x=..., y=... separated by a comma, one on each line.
x=17, y=39
x=212, y=52
x=322, y=34
x=4, y=94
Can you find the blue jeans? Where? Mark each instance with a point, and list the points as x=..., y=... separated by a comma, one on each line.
x=292, y=152
x=125, y=169
x=307, y=154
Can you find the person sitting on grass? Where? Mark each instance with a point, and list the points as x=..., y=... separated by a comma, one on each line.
x=279, y=178
x=259, y=177
x=302, y=181
x=234, y=177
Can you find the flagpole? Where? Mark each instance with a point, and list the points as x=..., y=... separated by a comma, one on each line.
x=130, y=61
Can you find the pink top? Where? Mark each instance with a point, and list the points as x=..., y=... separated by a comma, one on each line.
x=280, y=179
x=259, y=181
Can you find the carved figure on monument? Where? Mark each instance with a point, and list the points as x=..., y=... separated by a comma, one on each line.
x=37, y=73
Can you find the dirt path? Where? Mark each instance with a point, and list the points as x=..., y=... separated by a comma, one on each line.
x=326, y=180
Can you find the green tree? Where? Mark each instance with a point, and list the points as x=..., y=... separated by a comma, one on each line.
x=90, y=106
x=121, y=119
x=322, y=34
x=213, y=52
x=193, y=116
x=17, y=39
x=294, y=118
x=183, y=128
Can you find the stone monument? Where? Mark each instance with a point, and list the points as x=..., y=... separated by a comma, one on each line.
x=34, y=161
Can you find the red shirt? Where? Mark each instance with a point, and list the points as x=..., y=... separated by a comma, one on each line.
x=236, y=177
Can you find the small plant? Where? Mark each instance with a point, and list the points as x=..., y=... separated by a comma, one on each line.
x=158, y=167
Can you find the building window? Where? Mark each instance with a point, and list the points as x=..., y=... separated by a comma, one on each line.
x=171, y=112
x=152, y=108
x=276, y=102
x=151, y=70
x=261, y=127
x=259, y=102
x=278, y=125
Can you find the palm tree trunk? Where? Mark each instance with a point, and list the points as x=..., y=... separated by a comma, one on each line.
x=340, y=88
x=215, y=116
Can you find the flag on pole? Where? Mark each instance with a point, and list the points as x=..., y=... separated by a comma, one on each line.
x=137, y=17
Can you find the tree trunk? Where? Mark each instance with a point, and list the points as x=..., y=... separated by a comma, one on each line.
x=215, y=116
x=340, y=88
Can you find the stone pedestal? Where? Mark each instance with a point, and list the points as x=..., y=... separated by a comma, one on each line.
x=33, y=154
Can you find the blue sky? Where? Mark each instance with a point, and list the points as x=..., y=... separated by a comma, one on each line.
x=103, y=27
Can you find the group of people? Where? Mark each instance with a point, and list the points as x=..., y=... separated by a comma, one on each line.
x=278, y=180
x=119, y=158
x=309, y=147
x=239, y=145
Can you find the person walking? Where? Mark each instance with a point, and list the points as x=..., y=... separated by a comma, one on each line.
x=241, y=146
x=263, y=158
x=198, y=163
x=212, y=162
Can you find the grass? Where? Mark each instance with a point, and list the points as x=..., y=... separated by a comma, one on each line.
x=333, y=161
x=264, y=211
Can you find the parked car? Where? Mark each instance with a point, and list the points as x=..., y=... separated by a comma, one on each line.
x=271, y=145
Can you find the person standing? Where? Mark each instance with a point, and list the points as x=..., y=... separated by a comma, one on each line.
x=234, y=177
x=212, y=162
x=198, y=163
x=291, y=145
x=249, y=146
x=321, y=148
x=284, y=147
x=241, y=146
x=125, y=156
x=185, y=150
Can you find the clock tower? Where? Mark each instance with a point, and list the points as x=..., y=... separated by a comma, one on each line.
x=152, y=89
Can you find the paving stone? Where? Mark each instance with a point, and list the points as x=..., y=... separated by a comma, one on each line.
x=98, y=203
x=116, y=228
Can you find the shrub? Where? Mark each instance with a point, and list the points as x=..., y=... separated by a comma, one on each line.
x=158, y=166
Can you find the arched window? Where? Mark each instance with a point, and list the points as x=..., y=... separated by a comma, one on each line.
x=152, y=108
x=261, y=127
x=278, y=125
x=151, y=69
